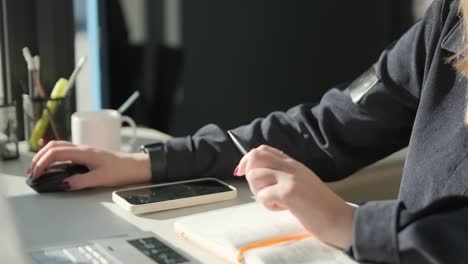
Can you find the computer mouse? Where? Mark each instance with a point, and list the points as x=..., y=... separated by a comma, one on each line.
x=54, y=175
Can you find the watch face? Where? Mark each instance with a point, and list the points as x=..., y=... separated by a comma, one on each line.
x=153, y=146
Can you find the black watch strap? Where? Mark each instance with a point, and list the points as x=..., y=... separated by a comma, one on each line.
x=157, y=154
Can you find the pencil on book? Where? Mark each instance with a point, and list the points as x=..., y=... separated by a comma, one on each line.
x=268, y=242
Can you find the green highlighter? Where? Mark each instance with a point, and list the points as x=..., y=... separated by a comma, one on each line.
x=59, y=91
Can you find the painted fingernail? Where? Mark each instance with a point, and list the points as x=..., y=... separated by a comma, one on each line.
x=236, y=170
x=33, y=172
x=64, y=186
x=28, y=173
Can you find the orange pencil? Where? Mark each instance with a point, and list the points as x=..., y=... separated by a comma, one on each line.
x=266, y=243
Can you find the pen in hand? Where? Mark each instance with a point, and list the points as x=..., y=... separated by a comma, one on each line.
x=243, y=149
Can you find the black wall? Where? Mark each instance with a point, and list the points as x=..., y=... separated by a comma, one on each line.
x=246, y=58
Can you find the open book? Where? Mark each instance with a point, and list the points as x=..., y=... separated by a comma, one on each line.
x=252, y=234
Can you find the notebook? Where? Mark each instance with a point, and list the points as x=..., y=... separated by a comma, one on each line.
x=252, y=234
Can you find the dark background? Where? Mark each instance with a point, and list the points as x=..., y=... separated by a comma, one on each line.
x=239, y=59
x=47, y=28
x=243, y=59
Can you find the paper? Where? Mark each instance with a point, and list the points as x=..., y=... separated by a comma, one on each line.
x=225, y=231
x=305, y=251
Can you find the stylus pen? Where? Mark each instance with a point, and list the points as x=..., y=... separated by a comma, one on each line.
x=240, y=146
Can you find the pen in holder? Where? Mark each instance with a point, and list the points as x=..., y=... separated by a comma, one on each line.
x=8, y=132
x=46, y=119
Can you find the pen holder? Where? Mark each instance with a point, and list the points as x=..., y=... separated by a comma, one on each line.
x=8, y=132
x=46, y=119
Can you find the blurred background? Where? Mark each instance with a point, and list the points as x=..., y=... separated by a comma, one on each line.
x=205, y=61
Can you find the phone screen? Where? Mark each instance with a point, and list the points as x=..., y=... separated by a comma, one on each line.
x=173, y=191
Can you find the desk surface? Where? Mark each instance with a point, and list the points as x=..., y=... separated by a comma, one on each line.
x=57, y=218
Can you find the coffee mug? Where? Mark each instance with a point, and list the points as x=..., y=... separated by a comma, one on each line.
x=100, y=129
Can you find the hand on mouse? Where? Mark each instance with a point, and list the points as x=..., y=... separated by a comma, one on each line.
x=106, y=168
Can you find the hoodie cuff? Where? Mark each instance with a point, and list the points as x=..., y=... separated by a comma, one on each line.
x=375, y=232
x=180, y=157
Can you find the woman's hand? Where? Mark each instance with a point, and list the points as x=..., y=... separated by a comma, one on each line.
x=282, y=183
x=106, y=168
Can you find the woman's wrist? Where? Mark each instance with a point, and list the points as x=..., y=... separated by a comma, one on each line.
x=341, y=228
x=142, y=165
x=347, y=227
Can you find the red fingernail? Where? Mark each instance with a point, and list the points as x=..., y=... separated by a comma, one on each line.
x=33, y=172
x=64, y=186
x=236, y=170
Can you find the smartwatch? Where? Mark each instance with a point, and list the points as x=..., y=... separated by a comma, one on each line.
x=157, y=154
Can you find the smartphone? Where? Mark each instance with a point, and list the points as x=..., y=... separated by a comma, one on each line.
x=173, y=195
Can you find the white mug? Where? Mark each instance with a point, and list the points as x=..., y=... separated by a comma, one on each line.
x=100, y=129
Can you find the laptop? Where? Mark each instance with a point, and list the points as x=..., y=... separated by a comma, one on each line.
x=140, y=247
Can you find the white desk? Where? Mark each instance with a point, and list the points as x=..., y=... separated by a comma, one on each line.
x=57, y=218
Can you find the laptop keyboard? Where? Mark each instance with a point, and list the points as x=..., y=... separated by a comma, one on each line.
x=81, y=254
x=151, y=247
x=157, y=251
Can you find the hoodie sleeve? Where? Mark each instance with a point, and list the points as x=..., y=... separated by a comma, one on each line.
x=347, y=130
x=387, y=232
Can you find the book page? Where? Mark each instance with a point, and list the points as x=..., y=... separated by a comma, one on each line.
x=305, y=251
x=226, y=231
x=254, y=223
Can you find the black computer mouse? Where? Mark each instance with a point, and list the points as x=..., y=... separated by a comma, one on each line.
x=54, y=175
